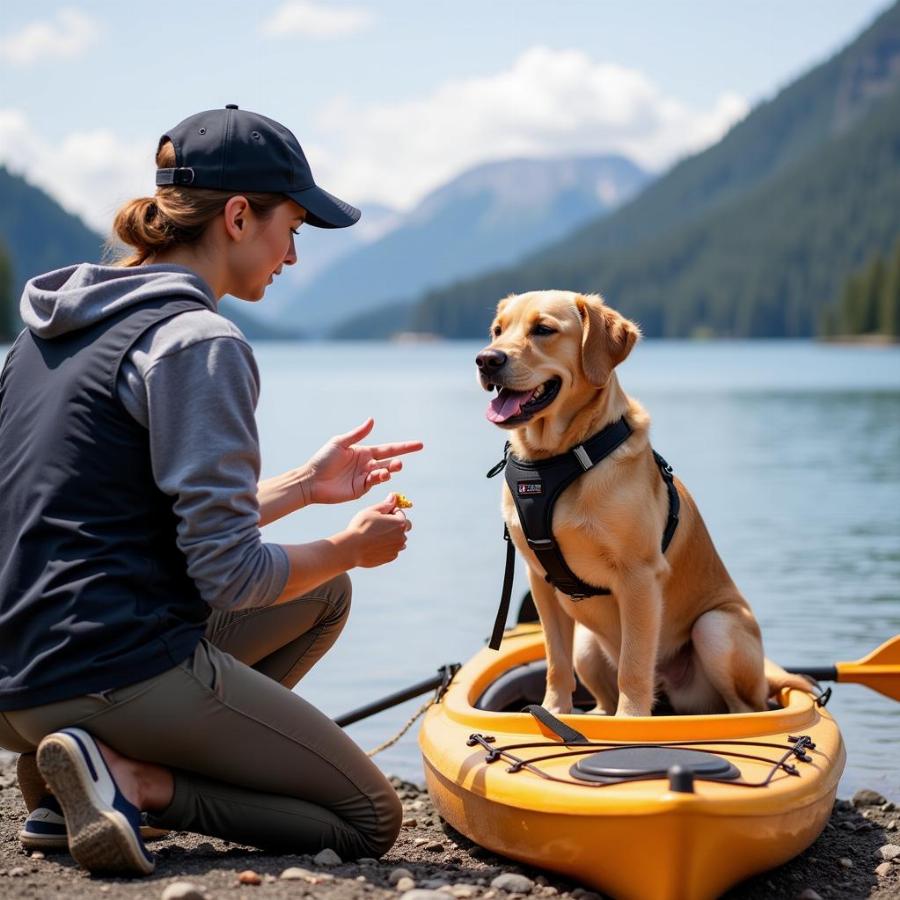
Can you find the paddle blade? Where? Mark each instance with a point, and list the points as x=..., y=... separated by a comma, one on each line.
x=880, y=670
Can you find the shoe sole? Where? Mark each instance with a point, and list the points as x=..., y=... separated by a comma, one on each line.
x=61, y=844
x=43, y=842
x=100, y=838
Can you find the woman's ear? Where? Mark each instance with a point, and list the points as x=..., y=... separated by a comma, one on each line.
x=235, y=213
x=607, y=338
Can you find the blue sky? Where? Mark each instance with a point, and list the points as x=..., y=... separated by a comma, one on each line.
x=392, y=98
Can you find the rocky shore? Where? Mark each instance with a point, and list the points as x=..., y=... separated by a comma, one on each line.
x=857, y=856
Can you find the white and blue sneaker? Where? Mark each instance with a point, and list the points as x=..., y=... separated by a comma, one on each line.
x=103, y=827
x=45, y=828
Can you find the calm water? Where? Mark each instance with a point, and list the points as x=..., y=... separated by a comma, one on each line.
x=792, y=451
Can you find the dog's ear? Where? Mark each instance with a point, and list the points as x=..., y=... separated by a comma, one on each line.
x=607, y=338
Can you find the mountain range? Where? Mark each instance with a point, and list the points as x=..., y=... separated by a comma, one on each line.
x=486, y=217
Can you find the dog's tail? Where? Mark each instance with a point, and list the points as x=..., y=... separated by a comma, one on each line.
x=777, y=678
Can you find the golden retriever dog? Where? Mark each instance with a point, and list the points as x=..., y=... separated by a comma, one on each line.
x=675, y=621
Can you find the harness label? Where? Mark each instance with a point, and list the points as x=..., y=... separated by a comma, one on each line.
x=530, y=488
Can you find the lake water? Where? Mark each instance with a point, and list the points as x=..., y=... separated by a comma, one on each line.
x=791, y=449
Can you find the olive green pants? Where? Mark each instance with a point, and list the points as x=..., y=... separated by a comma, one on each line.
x=252, y=761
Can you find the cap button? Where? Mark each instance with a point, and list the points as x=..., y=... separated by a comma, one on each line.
x=231, y=106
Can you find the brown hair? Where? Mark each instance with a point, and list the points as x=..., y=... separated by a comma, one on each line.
x=176, y=215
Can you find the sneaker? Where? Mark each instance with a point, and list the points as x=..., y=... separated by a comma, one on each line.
x=45, y=827
x=103, y=826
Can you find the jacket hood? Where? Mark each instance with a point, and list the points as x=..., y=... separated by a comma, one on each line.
x=65, y=300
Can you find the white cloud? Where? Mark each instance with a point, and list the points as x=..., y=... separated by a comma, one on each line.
x=308, y=18
x=67, y=36
x=90, y=173
x=548, y=103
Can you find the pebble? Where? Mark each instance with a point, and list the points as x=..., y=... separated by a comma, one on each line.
x=883, y=869
x=182, y=890
x=409, y=823
x=434, y=884
x=419, y=842
x=397, y=874
x=405, y=884
x=38, y=855
x=513, y=884
x=888, y=852
x=295, y=873
x=367, y=861
x=463, y=890
x=248, y=876
x=865, y=797
x=809, y=894
x=17, y=872
x=892, y=825
x=327, y=857
x=419, y=894
x=888, y=807
x=846, y=863
x=436, y=846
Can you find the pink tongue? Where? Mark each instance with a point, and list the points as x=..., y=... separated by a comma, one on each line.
x=506, y=405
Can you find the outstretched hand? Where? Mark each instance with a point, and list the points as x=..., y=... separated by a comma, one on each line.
x=343, y=470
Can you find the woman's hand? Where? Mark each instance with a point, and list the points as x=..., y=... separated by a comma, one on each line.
x=342, y=470
x=377, y=535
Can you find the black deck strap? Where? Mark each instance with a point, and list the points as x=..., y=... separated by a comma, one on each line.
x=674, y=500
x=506, y=593
x=565, y=733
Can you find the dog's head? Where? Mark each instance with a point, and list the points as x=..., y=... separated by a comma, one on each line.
x=546, y=347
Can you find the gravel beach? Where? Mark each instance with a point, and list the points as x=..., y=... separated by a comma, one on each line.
x=853, y=858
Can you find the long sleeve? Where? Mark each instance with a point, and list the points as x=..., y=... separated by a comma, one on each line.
x=197, y=397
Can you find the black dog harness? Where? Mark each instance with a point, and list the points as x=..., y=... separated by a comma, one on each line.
x=536, y=486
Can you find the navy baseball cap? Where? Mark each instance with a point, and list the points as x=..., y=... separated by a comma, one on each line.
x=233, y=149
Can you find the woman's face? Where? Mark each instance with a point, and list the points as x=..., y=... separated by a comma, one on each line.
x=267, y=245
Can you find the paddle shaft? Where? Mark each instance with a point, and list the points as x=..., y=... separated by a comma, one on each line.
x=819, y=673
x=445, y=673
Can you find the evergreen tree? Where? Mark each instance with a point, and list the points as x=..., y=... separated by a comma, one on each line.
x=889, y=308
x=8, y=315
x=867, y=310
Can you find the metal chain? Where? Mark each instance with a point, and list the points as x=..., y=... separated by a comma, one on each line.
x=403, y=730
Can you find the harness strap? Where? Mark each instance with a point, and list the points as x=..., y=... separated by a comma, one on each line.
x=505, y=594
x=674, y=500
x=565, y=733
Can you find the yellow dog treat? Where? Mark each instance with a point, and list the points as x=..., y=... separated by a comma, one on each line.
x=403, y=502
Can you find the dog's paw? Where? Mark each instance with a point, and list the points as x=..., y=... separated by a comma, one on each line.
x=628, y=709
x=555, y=706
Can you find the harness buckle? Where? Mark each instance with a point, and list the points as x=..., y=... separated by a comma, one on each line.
x=541, y=543
x=582, y=456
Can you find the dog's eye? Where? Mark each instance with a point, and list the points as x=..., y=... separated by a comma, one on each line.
x=495, y=331
x=540, y=329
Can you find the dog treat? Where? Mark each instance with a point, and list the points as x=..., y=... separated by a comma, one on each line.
x=403, y=502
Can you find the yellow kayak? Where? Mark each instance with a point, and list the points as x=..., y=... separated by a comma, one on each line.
x=656, y=808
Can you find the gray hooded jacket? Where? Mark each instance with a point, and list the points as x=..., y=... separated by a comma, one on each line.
x=192, y=382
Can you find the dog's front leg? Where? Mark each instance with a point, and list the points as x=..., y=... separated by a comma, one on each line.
x=559, y=629
x=640, y=611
